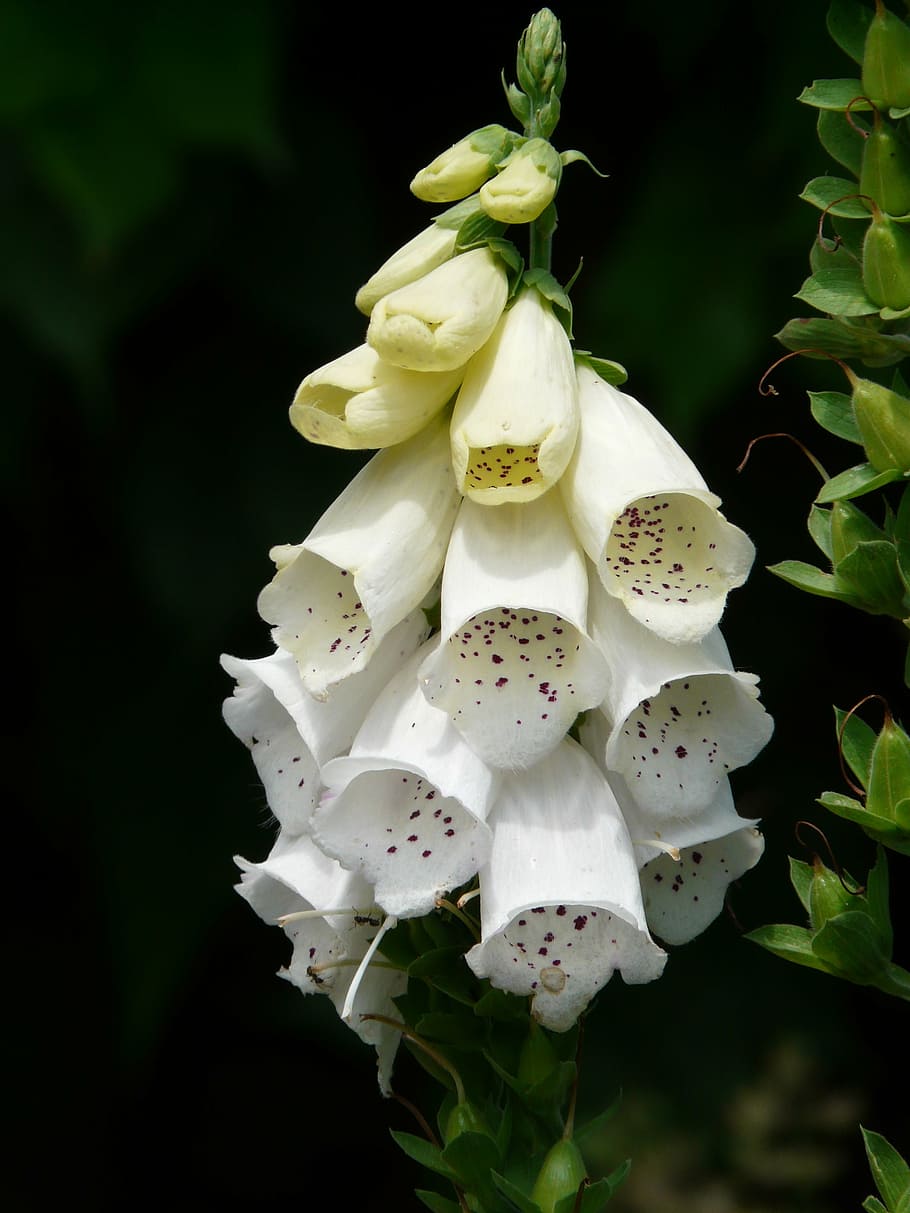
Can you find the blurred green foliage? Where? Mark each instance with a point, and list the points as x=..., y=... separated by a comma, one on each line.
x=191, y=193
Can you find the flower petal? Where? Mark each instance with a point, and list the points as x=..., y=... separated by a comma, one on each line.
x=409, y=804
x=439, y=321
x=514, y=665
x=516, y=416
x=682, y=717
x=645, y=517
x=368, y=562
x=561, y=903
x=359, y=401
x=423, y=253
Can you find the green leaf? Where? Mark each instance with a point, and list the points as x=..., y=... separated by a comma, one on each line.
x=498, y=1005
x=439, y=1204
x=840, y=139
x=789, y=943
x=812, y=580
x=872, y=1205
x=801, y=879
x=611, y=372
x=872, y=570
x=841, y=337
x=834, y=412
x=595, y=1196
x=423, y=1152
x=839, y=292
x=847, y=24
x=854, y=482
x=850, y=943
x=439, y=960
x=897, y=112
x=889, y=1170
x=834, y=95
x=474, y=1157
x=819, y=525
x=477, y=229
x=515, y=1195
x=836, y=195
x=857, y=743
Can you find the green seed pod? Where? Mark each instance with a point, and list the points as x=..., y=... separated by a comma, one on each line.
x=885, y=172
x=561, y=1175
x=886, y=262
x=464, y=1118
x=850, y=526
x=889, y=771
x=886, y=60
x=883, y=419
x=827, y=895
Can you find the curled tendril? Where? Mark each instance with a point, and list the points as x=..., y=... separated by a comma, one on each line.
x=838, y=870
x=840, y=738
x=805, y=450
x=849, y=116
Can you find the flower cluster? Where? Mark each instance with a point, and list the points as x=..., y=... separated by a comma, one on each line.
x=498, y=658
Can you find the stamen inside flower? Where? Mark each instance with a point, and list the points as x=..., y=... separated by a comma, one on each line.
x=503, y=467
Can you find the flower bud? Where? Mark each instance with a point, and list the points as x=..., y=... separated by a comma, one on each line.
x=885, y=173
x=886, y=262
x=883, y=419
x=827, y=895
x=429, y=248
x=464, y=167
x=561, y=1175
x=542, y=55
x=439, y=321
x=886, y=60
x=526, y=186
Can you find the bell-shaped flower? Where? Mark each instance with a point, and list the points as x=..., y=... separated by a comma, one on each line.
x=561, y=905
x=358, y=401
x=423, y=253
x=289, y=733
x=516, y=416
x=439, y=321
x=462, y=168
x=407, y=807
x=680, y=717
x=329, y=916
x=514, y=665
x=646, y=518
x=367, y=564
x=526, y=186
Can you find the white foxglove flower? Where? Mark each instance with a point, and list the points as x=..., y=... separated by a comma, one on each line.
x=463, y=167
x=407, y=807
x=681, y=717
x=299, y=887
x=526, y=186
x=646, y=518
x=367, y=564
x=516, y=416
x=358, y=401
x=290, y=734
x=561, y=904
x=514, y=665
x=439, y=321
x=423, y=253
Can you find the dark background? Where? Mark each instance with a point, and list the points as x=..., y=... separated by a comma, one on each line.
x=191, y=194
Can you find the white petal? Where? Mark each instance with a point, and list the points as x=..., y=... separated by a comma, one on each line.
x=646, y=519
x=439, y=321
x=683, y=897
x=560, y=899
x=423, y=253
x=410, y=802
x=359, y=401
x=514, y=665
x=516, y=416
x=682, y=717
x=368, y=562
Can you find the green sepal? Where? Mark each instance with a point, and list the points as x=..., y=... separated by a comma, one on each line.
x=848, y=23
x=572, y=156
x=592, y=1128
x=611, y=372
x=834, y=412
x=889, y=313
x=828, y=896
x=545, y=284
x=835, y=95
x=840, y=140
x=424, y=1153
x=889, y=1170
x=886, y=60
x=837, y=291
x=855, y=482
x=857, y=743
x=886, y=263
x=885, y=173
x=819, y=526
x=594, y=1197
x=515, y=1194
x=519, y=102
x=435, y=1202
x=453, y=218
x=478, y=230
x=889, y=773
x=849, y=945
x=871, y=571
x=841, y=337
x=801, y=878
x=836, y=195
x=892, y=834
x=898, y=111
x=789, y=943
x=808, y=578
x=872, y=1205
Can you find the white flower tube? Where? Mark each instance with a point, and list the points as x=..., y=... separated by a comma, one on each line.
x=423, y=253
x=439, y=321
x=561, y=903
x=358, y=401
x=514, y=665
x=368, y=562
x=301, y=884
x=682, y=718
x=408, y=806
x=289, y=733
x=646, y=518
x=516, y=416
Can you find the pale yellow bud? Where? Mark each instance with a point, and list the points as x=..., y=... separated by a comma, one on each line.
x=463, y=168
x=526, y=186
